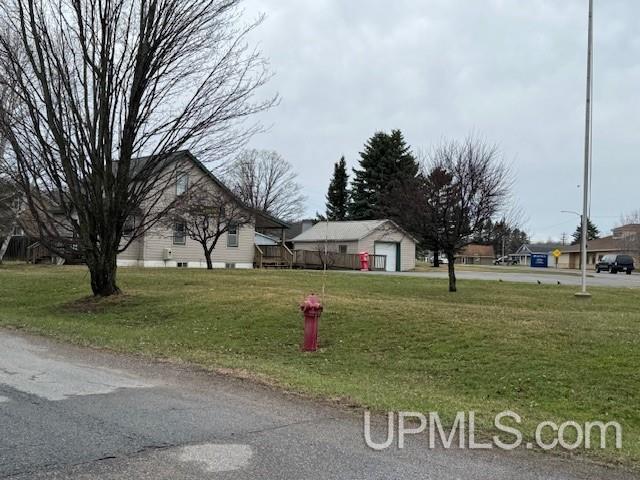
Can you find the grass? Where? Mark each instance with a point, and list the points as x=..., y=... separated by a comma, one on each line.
x=387, y=343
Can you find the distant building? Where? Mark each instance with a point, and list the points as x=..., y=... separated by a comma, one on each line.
x=624, y=241
x=476, y=254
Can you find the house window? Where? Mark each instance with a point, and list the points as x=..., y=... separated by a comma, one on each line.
x=342, y=248
x=129, y=227
x=179, y=233
x=232, y=235
x=182, y=265
x=182, y=184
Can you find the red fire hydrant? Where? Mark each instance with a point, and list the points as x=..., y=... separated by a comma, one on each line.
x=364, y=261
x=311, y=309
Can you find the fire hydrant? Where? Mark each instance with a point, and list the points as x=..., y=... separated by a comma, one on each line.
x=311, y=309
x=364, y=261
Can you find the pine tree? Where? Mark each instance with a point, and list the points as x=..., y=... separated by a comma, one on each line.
x=338, y=194
x=592, y=232
x=386, y=163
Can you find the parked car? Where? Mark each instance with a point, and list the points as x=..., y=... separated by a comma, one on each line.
x=615, y=264
x=505, y=261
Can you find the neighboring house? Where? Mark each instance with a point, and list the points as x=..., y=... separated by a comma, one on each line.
x=476, y=254
x=163, y=246
x=523, y=254
x=376, y=237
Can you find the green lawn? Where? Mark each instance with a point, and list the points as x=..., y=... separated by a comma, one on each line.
x=388, y=343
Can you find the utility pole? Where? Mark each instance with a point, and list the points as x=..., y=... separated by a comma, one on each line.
x=564, y=239
x=587, y=158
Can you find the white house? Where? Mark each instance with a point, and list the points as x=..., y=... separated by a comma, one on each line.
x=163, y=246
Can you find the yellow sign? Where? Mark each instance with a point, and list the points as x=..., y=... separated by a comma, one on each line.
x=557, y=253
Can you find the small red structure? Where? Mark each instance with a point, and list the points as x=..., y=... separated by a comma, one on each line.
x=311, y=309
x=364, y=261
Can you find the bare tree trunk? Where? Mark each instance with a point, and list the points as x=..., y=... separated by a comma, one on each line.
x=436, y=259
x=207, y=255
x=4, y=247
x=452, y=272
x=103, y=275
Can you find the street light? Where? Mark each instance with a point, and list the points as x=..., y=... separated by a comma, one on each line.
x=587, y=158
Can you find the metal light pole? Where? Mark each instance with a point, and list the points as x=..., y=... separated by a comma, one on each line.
x=587, y=158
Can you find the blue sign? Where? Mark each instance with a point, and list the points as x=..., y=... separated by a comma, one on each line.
x=539, y=260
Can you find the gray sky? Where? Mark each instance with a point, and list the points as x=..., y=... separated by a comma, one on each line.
x=511, y=71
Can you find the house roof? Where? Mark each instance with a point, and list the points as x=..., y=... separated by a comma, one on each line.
x=348, y=231
x=475, y=250
x=296, y=228
x=545, y=247
x=605, y=244
x=270, y=220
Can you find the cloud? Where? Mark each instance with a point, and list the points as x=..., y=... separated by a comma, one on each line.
x=510, y=71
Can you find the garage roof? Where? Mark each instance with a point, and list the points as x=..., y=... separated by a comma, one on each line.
x=340, y=231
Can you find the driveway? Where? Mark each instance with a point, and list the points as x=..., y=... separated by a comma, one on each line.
x=70, y=413
x=594, y=279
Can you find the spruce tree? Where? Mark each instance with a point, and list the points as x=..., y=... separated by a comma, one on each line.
x=386, y=163
x=338, y=194
x=592, y=232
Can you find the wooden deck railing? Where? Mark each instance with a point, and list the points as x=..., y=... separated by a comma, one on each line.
x=334, y=260
x=273, y=256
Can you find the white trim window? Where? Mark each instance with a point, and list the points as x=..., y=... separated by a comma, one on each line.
x=182, y=184
x=179, y=233
x=232, y=235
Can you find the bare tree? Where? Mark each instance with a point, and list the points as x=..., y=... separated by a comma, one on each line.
x=265, y=181
x=630, y=218
x=9, y=195
x=465, y=185
x=100, y=85
x=206, y=213
x=10, y=207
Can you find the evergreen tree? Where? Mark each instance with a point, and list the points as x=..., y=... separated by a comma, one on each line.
x=592, y=232
x=338, y=194
x=386, y=163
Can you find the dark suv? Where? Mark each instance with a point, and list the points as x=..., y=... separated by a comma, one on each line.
x=615, y=264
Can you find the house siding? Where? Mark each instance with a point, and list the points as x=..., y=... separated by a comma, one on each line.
x=148, y=251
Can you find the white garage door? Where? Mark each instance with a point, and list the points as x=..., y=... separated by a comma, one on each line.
x=390, y=251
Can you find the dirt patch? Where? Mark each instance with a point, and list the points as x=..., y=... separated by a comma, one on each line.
x=99, y=304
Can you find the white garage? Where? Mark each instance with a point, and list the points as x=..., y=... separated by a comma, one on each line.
x=376, y=237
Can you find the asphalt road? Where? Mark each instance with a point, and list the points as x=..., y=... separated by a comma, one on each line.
x=620, y=280
x=71, y=413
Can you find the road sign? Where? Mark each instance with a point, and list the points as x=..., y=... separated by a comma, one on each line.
x=557, y=253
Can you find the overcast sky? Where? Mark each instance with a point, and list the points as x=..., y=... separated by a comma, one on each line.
x=511, y=71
